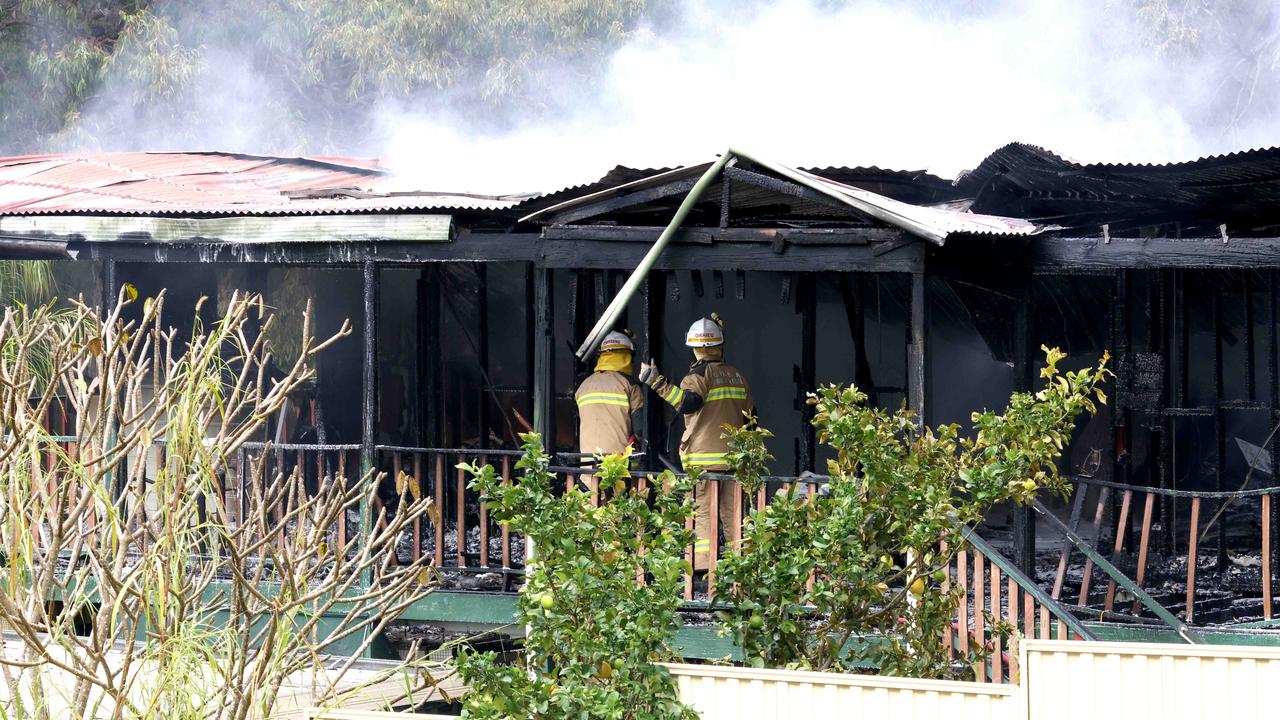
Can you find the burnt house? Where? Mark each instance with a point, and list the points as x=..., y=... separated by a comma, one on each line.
x=921, y=290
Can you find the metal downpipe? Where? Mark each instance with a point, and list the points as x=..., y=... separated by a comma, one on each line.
x=638, y=275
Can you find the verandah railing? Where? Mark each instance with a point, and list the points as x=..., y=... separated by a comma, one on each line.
x=992, y=588
x=992, y=585
x=1112, y=517
x=471, y=551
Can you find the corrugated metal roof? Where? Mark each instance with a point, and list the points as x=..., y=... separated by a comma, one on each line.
x=914, y=186
x=619, y=175
x=936, y=223
x=1241, y=190
x=210, y=183
x=933, y=223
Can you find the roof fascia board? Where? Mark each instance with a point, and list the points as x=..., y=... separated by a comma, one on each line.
x=409, y=227
x=1084, y=255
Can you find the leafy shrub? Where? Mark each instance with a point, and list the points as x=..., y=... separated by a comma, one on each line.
x=594, y=630
x=873, y=543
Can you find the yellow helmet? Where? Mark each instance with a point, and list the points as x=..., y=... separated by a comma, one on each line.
x=706, y=332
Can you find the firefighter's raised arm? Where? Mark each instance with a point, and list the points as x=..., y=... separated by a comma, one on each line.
x=685, y=398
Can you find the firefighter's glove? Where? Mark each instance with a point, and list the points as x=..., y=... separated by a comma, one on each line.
x=650, y=376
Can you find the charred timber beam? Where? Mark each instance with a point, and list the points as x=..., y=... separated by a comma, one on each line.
x=1024, y=519
x=110, y=286
x=1273, y=378
x=652, y=420
x=1219, y=419
x=467, y=247
x=369, y=366
x=807, y=308
x=484, y=395
x=544, y=371
x=431, y=358
x=631, y=199
x=20, y=247
x=369, y=395
x=706, y=236
x=1083, y=255
x=734, y=256
x=917, y=353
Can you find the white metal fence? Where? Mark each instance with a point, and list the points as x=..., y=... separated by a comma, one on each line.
x=1059, y=679
x=1137, y=681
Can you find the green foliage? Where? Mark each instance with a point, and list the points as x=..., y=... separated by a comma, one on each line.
x=595, y=631
x=26, y=281
x=748, y=455
x=873, y=543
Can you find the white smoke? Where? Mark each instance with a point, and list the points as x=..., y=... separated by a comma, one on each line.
x=906, y=85
x=872, y=84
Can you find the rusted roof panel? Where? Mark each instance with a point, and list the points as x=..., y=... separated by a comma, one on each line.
x=208, y=183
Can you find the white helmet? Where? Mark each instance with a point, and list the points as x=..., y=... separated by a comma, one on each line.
x=705, y=332
x=617, y=341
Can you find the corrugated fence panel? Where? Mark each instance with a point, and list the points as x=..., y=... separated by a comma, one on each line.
x=733, y=693
x=321, y=714
x=1138, y=681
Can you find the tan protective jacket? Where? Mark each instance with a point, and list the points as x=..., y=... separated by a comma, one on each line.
x=606, y=401
x=725, y=396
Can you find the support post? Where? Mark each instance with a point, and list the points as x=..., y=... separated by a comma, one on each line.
x=851, y=296
x=1168, y=324
x=369, y=367
x=1273, y=373
x=1179, y=350
x=110, y=292
x=917, y=354
x=808, y=309
x=544, y=354
x=485, y=400
x=431, y=362
x=369, y=396
x=1024, y=519
x=110, y=286
x=530, y=335
x=1219, y=422
x=655, y=300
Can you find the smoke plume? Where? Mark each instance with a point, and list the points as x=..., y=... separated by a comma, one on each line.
x=909, y=85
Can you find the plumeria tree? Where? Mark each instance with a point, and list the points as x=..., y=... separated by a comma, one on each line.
x=152, y=565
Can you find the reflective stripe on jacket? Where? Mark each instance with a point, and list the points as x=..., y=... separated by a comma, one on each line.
x=606, y=400
x=725, y=398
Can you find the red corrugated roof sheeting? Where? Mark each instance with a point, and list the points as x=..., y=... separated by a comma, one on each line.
x=211, y=183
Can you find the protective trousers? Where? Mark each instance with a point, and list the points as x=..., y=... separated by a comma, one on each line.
x=727, y=516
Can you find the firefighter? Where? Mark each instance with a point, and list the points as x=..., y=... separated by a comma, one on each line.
x=608, y=397
x=712, y=395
